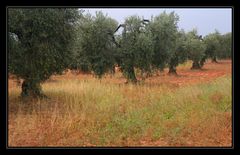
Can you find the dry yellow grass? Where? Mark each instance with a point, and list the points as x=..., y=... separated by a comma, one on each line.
x=84, y=111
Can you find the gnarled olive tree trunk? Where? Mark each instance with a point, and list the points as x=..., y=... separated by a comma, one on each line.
x=196, y=65
x=214, y=60
x=202, y=61
x=130, y=75
x=172, y=70
x=31, y=88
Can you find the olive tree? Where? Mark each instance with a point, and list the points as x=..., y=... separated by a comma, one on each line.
x=95, y=49
x=179, y=55
x=164, y=30
x=135, y=47
x=195, y=48
x=213, y=45
x=40, y=41
x=225, y=46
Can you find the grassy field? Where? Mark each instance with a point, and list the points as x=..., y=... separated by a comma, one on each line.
x=193, y=109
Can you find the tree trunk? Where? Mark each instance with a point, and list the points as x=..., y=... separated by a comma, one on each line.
x=113, y=70
x=131, y=77
x=196, y=65
x=31, y=89
x=149, y=74
x=172, y=71
x=142, y=75
x=161, y=69
x=203, y=60
x=214, y=60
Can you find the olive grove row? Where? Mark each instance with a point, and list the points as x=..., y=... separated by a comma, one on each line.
x=43, y=42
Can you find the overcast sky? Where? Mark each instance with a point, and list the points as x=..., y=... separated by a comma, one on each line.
x=205, y=20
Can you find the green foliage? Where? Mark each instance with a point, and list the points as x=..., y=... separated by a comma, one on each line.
x=226, y=46
x=213, y=45
x=39, y=43
x=218, y=46
x=13, y=45
x=144, y=51
x=195, y=48
x=94, y=47
x=43, y=42
x=136, y=47
x=179, y=55
x=164, y=31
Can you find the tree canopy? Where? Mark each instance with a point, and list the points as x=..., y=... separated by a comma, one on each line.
x=213, y=46
x=164, y=30
x=136, y=47
x=46, y=41
x=40, y=42
x=95, y=48
x=195, y=48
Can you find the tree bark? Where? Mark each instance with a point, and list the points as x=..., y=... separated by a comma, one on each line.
x=31, y=89
x=161, y=69
x=172, y=71
x=214, y=60
x=131, y=77
x=203, y=60
x=196, y=65
x=149, y=74
x=112, y=71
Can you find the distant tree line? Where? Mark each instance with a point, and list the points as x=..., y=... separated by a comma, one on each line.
x=43, y=42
